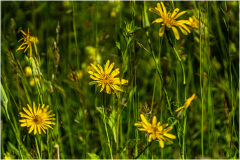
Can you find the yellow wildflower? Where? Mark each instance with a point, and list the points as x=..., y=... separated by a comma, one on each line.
x=28, y=71
x=104, y=78
x=32, y=81
x=187, y=103
x=38, y=119
x=155, y=130
x=75, y=75
x=168, y=20
x=194, y=22
x=27, y=39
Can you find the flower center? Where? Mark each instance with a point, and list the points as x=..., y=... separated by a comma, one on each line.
x=168, y=21
x=37, y=119
x=106, y=79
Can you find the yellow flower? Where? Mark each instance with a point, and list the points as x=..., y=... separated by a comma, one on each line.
x=104, y=78
x=155, y=130
x=38, y=119
x=75, y=75
x=194, y=22
x=32, y=81
x=27, y=39
x=168, y=20
x=28, y=71
x=187, y=103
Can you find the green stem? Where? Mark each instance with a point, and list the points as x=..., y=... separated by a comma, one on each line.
x=185, y=93
x=143, y=150
x=105, y=124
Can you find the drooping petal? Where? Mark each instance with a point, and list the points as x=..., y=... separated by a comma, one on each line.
x=108, y=89
x=161, y=31
x=103, y=86
x=117, y=88
x=183, y=30
x=150, y=138
x=175, y=31
x=31, y=129
x=161, y=143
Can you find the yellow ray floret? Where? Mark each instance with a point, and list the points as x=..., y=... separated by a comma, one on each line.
x=37, y=118
x=156, y=130
x=169, y=21
x=105, y=78
x=187, y=103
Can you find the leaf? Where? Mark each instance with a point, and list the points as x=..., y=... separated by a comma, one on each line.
x=112, y=123
x=93, y=155
x=4, y=100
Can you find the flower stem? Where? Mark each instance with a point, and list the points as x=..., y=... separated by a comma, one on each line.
x=184, y=85
x=143, y=150
x=105, y=124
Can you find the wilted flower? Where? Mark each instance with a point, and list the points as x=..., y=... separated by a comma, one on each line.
x=156, y=130
x=106, y=79
x=27, y=39
x=38, y=119
x=169, y=21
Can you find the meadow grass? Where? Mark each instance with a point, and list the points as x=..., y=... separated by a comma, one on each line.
x=162, y=74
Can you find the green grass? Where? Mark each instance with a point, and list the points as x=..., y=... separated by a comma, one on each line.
x=161, y=77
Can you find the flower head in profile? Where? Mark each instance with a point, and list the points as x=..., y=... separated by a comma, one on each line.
x=105, y=78
x=181, y=110
x=37, y=118
x=194, y=22
x=156, y=130
x=27, y=39
x=169, y=21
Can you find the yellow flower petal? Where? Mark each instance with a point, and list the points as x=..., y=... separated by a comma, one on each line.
x=179, y=14
x=96, y=69
x=159, y=8
x=175, y=12
x=150, y=138
x=106, y=66
x=161, y=31
x=103, y=86
x=163, y=8
x=161, y=143
x=154, y=120
x=169, y=135
x=143, y=118
x=175, y=31
x=189, y=100
x=159, y=20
